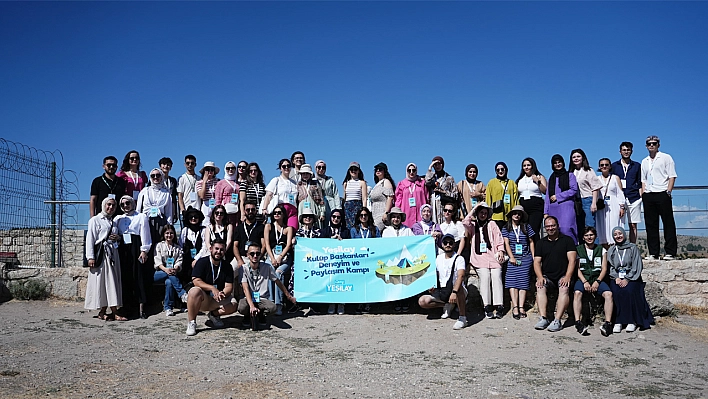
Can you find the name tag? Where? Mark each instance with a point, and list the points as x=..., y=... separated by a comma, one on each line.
x=192, y=197
x=518, y=249
x=278, y=249
x=622, y=273
x=211, y=293
x=507, y=198
x=482, y=247
x=170, y=263
x=598, y=262
x=474, y=202
x=291, y=199
x=624, y=183
x=607, y=198
x=212, y=203
x=154, y=212
x=256, y=297
x=112, y=196
x=583, y=261
x=127, y=239
x=306, y=205
x=193, y=252
x=234, y=198
x=135, y=194
x=650, y=180
x=411, y=202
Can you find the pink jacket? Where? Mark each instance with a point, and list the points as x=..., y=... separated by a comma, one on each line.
x=486, y=260
x=403, y=193
x=223, y=191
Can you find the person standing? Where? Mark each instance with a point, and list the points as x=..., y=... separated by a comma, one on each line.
x=206, y=188
x=135, y=179
x=532, y=186
x=472, y=191
x=382, y=195
x=658, y=178
x=411, y=194
x=171, y=184
x=106, y=186
x=186, y=187
x=502, y=195
x=252, y=190
x=329, y=188
x=588, y=185
x=355, y=193
x=630, y=174
x=613, y=197
x=560, y=198
x=441, y=187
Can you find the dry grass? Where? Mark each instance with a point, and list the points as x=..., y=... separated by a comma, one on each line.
x=698, y=312
x=696, y=332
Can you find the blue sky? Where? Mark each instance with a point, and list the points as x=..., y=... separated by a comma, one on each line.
x=399, y=82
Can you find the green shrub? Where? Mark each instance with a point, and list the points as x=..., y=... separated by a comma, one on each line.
x=33, y=289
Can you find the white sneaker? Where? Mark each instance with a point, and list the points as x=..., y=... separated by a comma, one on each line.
x=183, y=298
x=617, y=329
x=340, y=309
x=192, y=328
x=330, y=309
x=447, y=309
x=631, y=328
x=460, y=323
x=169, y=312
x=215, y=320
x=651, y=257
x=279, y=310
x=668, y=257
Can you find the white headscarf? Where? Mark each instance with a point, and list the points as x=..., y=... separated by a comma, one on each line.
x=132, y=201
x=161, y=185
x=227, y=176
x=103, y=207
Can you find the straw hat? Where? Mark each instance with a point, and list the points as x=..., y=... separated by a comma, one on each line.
x=210, y=164
x=518, y=208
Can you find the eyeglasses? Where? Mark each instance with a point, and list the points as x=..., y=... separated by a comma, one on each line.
x=277, y=213
x=254, y=254
x=353, y=170
x=253, y=171
x=336, y=217
x=209, y=170
x=395, y=215
x=155, y=176
x=501, y=170
x=134, y=158
x=219, y=213
x=320, y=167
x=378, y=170
x=230, y=168
x=364, y=215
x=307, y=216
x=604, y=165
x=652, y=143
x=448, y=210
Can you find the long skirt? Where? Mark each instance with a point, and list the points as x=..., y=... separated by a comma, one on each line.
x=103, y=287
x=133, y=273
x=631, y=305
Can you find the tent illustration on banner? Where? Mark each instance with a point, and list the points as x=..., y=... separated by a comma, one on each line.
x=403, y=269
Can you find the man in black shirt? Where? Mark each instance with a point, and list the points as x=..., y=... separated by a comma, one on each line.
x=213, y=280
x=554, y=265
x=248, y=231
x=106, y=185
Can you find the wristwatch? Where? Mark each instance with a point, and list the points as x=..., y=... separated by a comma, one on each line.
x=454, y=291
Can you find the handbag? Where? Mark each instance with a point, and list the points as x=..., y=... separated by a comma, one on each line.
x=600, y=203
x=498, y=205
x=99, y=253
x=443, y=293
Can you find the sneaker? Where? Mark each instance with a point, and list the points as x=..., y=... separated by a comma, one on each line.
x=460, y=323
x=631, y=328
x=246, y=322
x=183, y=298
x=606, y=328
x=278, y=310
x=404, y=309
x=542, y=323
x=215, y=320
x=447, y=309
x=555, y=326
x=340, y=309
x=651, y=257
x=169, y=312
x=581, y=328
x=489, y=311
x=500, y=312
x=360, y=309
x=617, y=329
x=330, y=309
x=192, y=328
x=367, y=309
x=668, y=257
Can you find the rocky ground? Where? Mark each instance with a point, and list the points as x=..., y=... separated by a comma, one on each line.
x=56, y=349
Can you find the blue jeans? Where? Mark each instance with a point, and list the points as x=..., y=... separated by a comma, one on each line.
x=589, y=216
x=173, y=288
x=277, y=292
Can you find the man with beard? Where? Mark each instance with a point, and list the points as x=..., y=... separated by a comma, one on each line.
x=248, y=231
x=106, y=185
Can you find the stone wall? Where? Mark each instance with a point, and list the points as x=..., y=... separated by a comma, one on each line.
x=684, y=282
x=62, y=282
x=33, y=246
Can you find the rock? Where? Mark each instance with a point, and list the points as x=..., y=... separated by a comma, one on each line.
x=660, y=306
x=22, y=273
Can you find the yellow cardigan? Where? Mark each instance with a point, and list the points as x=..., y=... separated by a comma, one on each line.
x=495, y=191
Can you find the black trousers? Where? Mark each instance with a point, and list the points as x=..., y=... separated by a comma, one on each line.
x=658, y=205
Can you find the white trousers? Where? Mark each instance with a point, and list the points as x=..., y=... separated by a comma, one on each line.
x=491, y=286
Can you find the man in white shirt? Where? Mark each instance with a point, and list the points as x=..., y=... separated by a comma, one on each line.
x=658, y=178
x=186, y=190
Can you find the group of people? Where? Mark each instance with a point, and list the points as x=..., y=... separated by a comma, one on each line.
x=496, y=229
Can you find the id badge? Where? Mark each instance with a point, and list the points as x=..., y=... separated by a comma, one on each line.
x=234, y=198
x=112, y=196
x=192, y=197
x=650, y=180
x=607, y=198
x=135, y=194
x=306, y=205
x=291, y=199
x=193, y=251
x=170, y=263
x=507, y=198
x=211, y=293
x=127, y=239
x=482, y=247
x=154, y=212
x=622, y=274
x=624, y=183
x=212, y=203
x=518, y=249
x=278, y=249
x=411, y=202
x=583, y=261
x=474, y=202
x=256, y=297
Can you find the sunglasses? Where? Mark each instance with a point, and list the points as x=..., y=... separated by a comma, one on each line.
x=307, y=216
x=253, y=254
x=446, y=210
x=353, y=170
x=134, y=158
x=604, y=165
x=230, y=168
x=220, y=213
x=155, y=176
x=242, y=166
x=285, y=166
x=501, y=170
x=250, y=210
x=111, y=165
x=412, y=170
x=194, y=217
x=253, y=171
x=364, y=215
x=210, y=170
x=448, y=242
x=336, y=217
x=320, y=167
x=652, y=143
x=189, y=163
x=276, y=213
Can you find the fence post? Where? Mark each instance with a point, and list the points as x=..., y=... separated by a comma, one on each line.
x=53, y=191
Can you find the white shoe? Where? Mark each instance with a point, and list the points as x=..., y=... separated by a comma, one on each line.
x=183, y=298
x=330, y=309
x=215, y=320
x=192, y=328
x=447, y=309
x=279, y=310
x=460, y=323
x=651, y=257
x=631, y=328
x=668, y=257
x=169, y=312
x=340, y=309
x=617, y=329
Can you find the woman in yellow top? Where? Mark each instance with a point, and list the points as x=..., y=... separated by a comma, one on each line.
x=502, y=194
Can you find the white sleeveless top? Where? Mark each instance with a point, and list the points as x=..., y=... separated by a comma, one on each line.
x=527, y=188
x=353, y=191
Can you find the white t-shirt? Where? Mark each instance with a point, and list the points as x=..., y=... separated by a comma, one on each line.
x=454, y=228
x=657, y=172
x=444, y=266
x=403, y=231
x=284, y=190
x=187, y=185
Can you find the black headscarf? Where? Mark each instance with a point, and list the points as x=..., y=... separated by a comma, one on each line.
x=506, y=171
x=562, y=175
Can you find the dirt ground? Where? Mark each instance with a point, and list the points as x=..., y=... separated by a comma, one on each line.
x=56, y=349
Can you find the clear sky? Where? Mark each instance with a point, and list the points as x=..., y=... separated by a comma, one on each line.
x=399, y=82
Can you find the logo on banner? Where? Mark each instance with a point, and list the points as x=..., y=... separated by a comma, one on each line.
x=339, y=286
x=403, y=269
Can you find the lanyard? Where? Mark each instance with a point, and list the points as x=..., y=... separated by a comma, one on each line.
x=277, y=236
x=517, y=231
x=469, y=187
x=335, y=231
x=426, y=227
x=361, y=232
x=248, y=232
x=218, y=271
x=411, y=188
x=625, y=168
x=109, y=186
x=134, y=179
x=621, y=257
x=229, y=183
x=192, y=181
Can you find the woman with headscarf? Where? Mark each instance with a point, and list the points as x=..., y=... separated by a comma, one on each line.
x=441, y=187
x=309, y=196
x=135, y=179
x=155, y=201
x=502, y=194
x=103, y=288
x=625, y=263
x=228, y=188
x=381, y=195
x=192, y=240
x=329, y=188
x=486, y=257
x=426, y=225
x=532, y=185
x=411, y=195
x=472, y=191
x=560, y=198
x=134, y=229
x=253, y=190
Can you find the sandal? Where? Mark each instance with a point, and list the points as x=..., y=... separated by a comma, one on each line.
x=522, y=312
x=117, y=317
x=102, y=316
x=516, y=315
